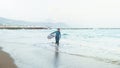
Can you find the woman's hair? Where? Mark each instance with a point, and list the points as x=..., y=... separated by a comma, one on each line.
x=58, y=28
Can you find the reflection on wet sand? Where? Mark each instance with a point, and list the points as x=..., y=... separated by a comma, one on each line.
x=56, y=58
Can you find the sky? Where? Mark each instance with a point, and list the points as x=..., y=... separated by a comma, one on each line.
x=76, y=13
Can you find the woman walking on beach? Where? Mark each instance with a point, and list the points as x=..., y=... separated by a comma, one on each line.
x=57, y=36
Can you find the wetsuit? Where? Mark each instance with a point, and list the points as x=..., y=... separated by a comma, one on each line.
x=57, y=37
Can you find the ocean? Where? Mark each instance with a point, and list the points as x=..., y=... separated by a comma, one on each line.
x=29, y=48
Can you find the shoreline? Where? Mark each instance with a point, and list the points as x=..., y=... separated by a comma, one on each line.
x=5, y=60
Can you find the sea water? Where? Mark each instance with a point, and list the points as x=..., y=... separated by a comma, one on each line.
x=29, y=48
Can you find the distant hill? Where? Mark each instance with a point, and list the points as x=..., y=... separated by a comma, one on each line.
x=10, y=22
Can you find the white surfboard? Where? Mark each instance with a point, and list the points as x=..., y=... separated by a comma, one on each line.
x=52, y=35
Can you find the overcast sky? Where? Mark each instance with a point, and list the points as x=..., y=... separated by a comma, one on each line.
x=79, y=13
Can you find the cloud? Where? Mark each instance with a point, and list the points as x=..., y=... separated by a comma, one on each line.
x=90, y=13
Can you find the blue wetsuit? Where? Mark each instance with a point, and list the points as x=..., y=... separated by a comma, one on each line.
x=57, y=37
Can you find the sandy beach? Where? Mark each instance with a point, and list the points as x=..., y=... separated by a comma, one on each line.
x=6, y=61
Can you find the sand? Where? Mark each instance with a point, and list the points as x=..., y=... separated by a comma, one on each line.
x=6, y=61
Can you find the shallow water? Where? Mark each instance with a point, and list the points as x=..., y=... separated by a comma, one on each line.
x=32, y=49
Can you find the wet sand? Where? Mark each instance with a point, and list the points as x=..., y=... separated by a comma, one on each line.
x=6, y=61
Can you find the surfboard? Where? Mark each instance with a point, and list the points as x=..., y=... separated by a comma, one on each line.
x=51, y=35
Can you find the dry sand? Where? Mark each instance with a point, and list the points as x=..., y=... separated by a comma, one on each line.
x=6, y=61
